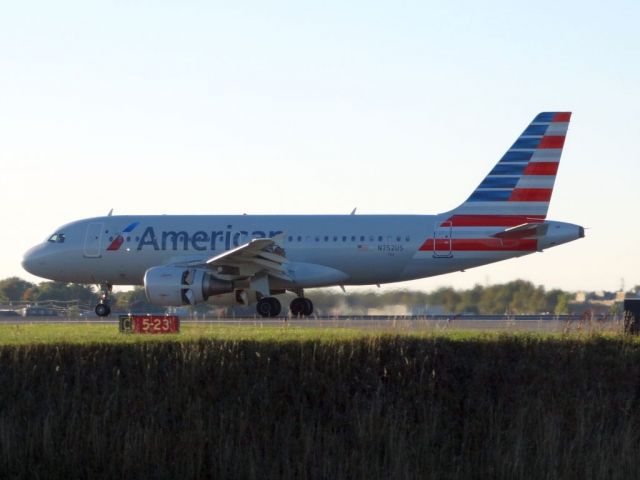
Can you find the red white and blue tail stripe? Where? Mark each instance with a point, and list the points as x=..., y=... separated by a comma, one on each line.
x=519, y=187
x=506, y=212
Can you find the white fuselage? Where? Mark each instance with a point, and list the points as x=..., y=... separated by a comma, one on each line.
x=368, y=249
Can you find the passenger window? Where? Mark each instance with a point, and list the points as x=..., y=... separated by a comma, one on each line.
x=406, y=238
x=353, y=238
x=380, y=238
x=398, y=238
x=335, y=239
x=362, y=238
x=326, y=238
x=299, y=238
x=290, y=238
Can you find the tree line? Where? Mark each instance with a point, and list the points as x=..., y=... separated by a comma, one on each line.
x=516, y=297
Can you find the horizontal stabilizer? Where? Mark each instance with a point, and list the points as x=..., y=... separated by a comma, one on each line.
x=526, y=230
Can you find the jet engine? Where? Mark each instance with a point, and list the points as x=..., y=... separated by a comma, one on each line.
x=173, y=286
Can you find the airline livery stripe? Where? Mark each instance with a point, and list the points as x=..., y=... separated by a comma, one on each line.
x=129, y=228
x=562, y=117
x=551, y=141
x=481, y=245
x=536, y=181
x=514, y=169
x=516, y=156
x=552, y=117
x=490, y=196
x=531, y=195
x=544, y=117
x=499, y=182
x=541, y=168
x=535, y=130
x=527, y=142
x=557, y=129
x=116, y=244
x=547, y=155
x=503, y=208
x=491, y=220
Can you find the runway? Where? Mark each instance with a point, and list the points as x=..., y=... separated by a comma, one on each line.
x=524, y=323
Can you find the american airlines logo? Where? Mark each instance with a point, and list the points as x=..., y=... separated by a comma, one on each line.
x=117, y=242
x=200, y=240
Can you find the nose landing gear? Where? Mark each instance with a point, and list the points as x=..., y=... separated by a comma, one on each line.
x=103, y=308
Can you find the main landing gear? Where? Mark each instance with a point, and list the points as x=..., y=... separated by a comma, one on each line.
x=103, y=308
x=301, y=307
x=270, y=307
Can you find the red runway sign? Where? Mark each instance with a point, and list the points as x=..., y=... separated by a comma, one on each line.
x=149, y=324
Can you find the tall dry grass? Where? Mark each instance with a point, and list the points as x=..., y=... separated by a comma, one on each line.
x=376, y=408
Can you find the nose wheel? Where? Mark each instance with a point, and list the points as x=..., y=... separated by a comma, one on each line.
x=301, y=307
x=103, y=308
x=269, y=307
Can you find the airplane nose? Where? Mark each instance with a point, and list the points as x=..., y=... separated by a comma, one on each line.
x=33, y=261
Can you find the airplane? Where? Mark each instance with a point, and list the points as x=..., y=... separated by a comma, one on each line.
x=250, y=259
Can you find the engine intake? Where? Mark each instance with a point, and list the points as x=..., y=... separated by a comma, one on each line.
x=173, y=286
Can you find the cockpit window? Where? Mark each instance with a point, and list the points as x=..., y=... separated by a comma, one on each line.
x=56, y=238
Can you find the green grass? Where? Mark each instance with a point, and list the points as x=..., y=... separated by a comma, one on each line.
x=28, y=334
x=82, y=401
x=83, y=333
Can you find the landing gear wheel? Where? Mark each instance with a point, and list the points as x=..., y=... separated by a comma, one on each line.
x=103, y=309
x=301, y=307
x=308, y=309
x=269, y=307
x=297, y=307
x=276, y=308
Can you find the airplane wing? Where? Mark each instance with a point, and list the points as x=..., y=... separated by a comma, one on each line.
x=526, y=230
x=258, y=255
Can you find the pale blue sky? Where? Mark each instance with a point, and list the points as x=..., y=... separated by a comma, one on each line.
x=296, y=107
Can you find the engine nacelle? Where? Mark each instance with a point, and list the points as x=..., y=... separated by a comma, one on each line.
x=174, y=286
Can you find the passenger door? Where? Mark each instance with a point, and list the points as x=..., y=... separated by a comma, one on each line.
x=442, y=240
x=93, y=240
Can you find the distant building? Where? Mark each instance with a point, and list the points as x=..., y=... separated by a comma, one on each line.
x=38, y=312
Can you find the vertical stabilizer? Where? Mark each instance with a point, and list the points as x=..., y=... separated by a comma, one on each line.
x=519, y=187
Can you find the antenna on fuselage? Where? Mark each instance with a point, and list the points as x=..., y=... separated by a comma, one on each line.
x=110, y=213
x=353, y=212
